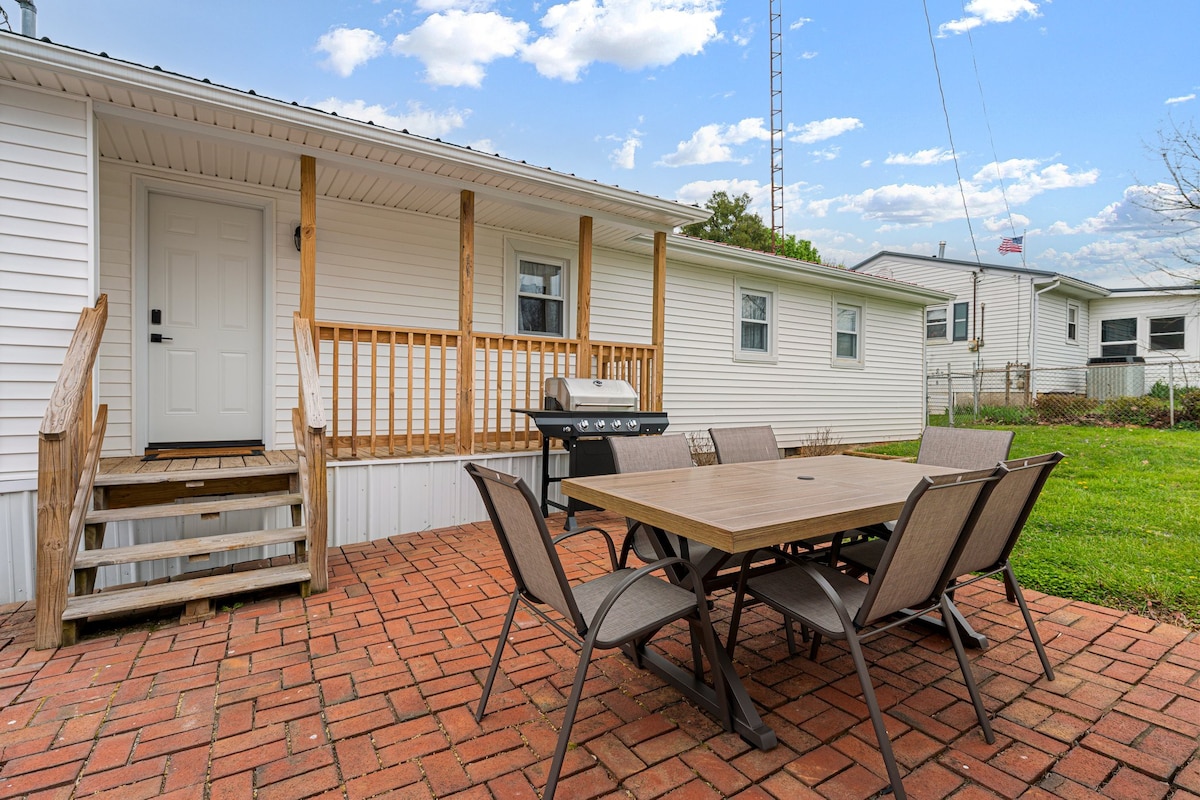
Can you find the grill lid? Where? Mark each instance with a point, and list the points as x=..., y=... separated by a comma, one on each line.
x=589, y=394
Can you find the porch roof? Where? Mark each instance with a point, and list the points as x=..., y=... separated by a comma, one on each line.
x=162, y=119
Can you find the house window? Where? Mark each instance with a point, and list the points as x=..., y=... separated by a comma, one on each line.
x=935, y=323
x=847, y=333
x=541, y=296
x=756, y=322
x=1166, y=333
x=1072, y=322
x=1118, y=337
x=960, y=321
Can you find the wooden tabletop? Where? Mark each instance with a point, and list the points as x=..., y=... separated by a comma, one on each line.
x=738, y=507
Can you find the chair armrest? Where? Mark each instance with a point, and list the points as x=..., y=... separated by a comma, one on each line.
x=612, y=552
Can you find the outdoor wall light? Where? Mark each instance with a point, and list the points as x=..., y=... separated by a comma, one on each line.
x=296, y=238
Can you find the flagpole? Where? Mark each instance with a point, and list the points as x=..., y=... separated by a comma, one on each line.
x=1023, y=231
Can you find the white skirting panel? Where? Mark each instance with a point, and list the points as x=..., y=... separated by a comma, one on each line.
x=376, y=499
x=18, y=538
x=367, y=500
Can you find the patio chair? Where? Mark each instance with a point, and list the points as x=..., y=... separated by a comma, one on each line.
x=624, y=607
x=736, y=445
x=963, y=448
x=991, y=542
x=911, y=580
x=649, y=454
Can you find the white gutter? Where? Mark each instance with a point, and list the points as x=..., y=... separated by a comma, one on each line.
x=1033, y=329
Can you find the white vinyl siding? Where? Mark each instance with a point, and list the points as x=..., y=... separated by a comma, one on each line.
x=1146, y=307
x=45, y=251
x=801, y=393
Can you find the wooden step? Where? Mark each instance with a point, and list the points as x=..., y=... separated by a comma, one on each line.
x=200, y=545
x=178, y=592
x=186, y=475
x=192, y=509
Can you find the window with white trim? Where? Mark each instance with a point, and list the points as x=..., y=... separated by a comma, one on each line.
x=935, y=323
x=961, y=311
x=847, y=334
x=1118, y=337
x=755, y=322
x=1072, y=322
x=1166, y=333
x=541, y=296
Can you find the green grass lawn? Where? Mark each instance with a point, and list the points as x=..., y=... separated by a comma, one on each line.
x=1118, y=523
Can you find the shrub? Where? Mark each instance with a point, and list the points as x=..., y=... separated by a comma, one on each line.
x=1145, y=411
x=1161, y=390
x=1187, y=403
x=1063, y=407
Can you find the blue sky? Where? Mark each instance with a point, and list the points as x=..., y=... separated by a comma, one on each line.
x=1054, y=107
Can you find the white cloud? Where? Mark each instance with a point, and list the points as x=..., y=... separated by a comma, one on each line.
x=826, y=154
x=712, y=144
x=434, y=6
x=915, y=204
x=416, y=119
x=820, y=130
x=984, y=12
x=997, y=224
x=808, y=55
x=921, y=158
x=632, y=34
x=455, y=46
x=348, y=48
x=623, y=156
x=1181, y=99
x=698, y=192
x=800, y=23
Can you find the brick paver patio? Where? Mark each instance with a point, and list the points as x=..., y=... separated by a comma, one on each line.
x=366, y=690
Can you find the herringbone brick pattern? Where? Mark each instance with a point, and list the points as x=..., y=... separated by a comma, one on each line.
x=366, y=691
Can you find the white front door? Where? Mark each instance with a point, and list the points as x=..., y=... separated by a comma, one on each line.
x=205, y=292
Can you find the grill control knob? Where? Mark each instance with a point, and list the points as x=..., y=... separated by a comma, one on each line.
x=616, y=424
x=583, y=424
x=599, y=424
x=632, y=424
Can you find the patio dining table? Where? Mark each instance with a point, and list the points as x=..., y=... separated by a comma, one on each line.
x=741, y=507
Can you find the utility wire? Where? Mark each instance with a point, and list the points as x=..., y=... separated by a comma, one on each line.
x=953, y=150
x=991, y=140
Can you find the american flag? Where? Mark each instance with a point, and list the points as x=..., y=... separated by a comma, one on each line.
x=1011, y=245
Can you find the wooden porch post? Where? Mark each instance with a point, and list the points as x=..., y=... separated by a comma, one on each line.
x=583, y=320
x=464, y=413
x=308, y=241
x=659, y=315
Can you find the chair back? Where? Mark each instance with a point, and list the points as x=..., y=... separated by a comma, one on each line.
x=735, y=445
x=1004, y=514
x=964, y=448
x=649, y=453
x=914, y=569
x=526, y=542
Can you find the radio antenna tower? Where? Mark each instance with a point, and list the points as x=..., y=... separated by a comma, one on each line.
x=776, y=126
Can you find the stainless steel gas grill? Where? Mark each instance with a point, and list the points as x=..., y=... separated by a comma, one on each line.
x=583, y=413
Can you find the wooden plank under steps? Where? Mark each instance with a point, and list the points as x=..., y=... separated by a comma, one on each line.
x=199, y=545
x=174, y=593
x=184, y=475
x=192, y=509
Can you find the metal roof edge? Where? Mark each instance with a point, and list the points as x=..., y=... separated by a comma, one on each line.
x=83, y=65
x=1076, y=283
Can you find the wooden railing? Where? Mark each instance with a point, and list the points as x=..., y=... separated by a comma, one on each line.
x=69, y=444
x=308, y=426
x=392, y=391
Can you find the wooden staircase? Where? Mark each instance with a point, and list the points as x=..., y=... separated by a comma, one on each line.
x=77, y=502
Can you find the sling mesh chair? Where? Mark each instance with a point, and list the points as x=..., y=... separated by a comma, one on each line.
x=961, y=448
x=624, y=607
x=992, y=540
x=737, y=445
x=650, y=454
x=911, y=581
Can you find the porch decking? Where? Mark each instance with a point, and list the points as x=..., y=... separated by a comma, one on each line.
x=366, y=690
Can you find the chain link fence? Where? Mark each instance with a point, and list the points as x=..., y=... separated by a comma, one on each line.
x=1151, y=395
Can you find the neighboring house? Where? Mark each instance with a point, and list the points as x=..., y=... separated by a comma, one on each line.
x=1160, y=324
x=443, y=284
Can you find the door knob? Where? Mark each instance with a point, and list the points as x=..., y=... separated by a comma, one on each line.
x=158, y=337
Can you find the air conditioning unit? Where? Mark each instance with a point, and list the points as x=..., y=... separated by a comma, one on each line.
x=1116, y=376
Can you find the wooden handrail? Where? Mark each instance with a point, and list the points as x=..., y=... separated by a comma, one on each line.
x=68, y=456
x=308, y=425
